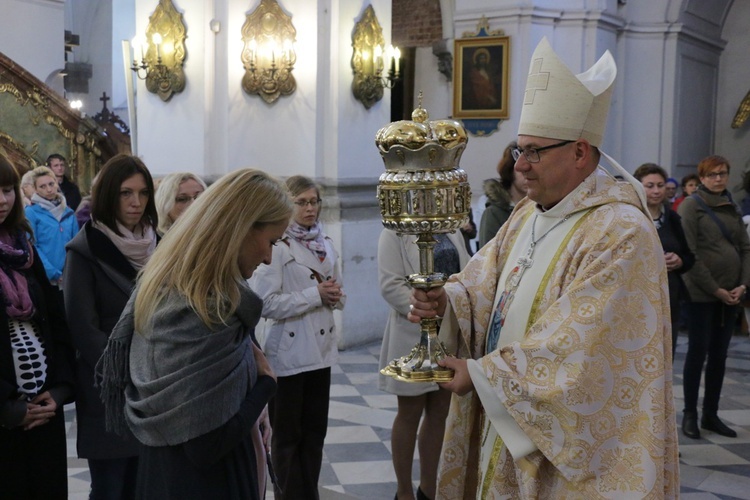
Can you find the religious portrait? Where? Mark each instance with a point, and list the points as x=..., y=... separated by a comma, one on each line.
x=481, y=77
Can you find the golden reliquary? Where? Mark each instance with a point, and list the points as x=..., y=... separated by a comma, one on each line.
x=423, y=192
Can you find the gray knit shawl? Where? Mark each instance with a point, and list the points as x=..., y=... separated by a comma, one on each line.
x=182, y=379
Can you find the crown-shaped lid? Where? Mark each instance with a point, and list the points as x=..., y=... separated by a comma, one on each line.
x=418, y=144
x=560, y=105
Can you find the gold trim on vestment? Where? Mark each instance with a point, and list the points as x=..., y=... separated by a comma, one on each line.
x=489, y=474
x=550, y=269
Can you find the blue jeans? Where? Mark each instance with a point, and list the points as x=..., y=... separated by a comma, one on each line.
x=710, y=329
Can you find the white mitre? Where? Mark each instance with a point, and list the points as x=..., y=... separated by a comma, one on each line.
x=560, y=105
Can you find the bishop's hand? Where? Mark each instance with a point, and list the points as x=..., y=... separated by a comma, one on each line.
x=427, y=304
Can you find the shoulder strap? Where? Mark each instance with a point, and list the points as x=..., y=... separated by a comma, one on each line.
x=713, y=216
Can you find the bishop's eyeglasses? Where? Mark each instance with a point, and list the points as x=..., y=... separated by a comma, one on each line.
x=532, y=154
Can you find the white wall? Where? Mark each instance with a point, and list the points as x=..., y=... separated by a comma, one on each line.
x=734, y=83
x=32, y=33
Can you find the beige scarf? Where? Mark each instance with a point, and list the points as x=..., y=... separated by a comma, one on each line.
x=137, y=246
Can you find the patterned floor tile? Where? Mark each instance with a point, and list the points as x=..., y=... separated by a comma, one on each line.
x=357, y=462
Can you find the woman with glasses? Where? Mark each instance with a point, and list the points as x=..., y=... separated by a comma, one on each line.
x=717, y=283
x=300, y=289
x=176, y=192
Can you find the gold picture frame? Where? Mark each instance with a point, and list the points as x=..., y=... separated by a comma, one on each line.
x=480, y=67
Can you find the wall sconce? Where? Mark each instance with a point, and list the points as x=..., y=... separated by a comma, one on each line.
x=268, y=53
x=162, y=52
x=369, y=58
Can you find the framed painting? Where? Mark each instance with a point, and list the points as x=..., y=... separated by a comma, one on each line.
x=480, y=88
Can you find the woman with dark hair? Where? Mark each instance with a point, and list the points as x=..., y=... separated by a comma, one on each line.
x=717, y=283
x=300, y=289
x=36, y=378
x=502, y=195
x=689, y=185
x=100, y=271
x=677, y=254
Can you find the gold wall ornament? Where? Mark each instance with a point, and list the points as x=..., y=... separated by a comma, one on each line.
x=268, y=54
x=423, y=192
x=162, y=52
x=369, y=58
x=743, y=112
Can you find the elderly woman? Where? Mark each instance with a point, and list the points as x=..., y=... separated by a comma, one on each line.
x=182, y=361
x=176, y=192
x=677, y=254
x=27, y=187
x=36, y=378
x=716, y=284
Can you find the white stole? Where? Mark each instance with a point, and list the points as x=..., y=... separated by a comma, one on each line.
x=499, y=424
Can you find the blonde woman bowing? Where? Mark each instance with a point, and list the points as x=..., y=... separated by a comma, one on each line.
x=300, y=289
x=181, y=361
x=398, y=257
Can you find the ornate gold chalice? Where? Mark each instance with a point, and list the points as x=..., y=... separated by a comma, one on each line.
x=423, y=192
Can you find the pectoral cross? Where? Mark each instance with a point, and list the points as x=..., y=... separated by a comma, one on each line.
x=522, y=264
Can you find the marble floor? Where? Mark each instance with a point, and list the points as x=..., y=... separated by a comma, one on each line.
x=357, y=459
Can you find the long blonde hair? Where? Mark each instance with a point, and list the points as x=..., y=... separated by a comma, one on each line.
x=198, y=257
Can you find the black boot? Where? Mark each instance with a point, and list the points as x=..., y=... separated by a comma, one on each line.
x=690, y=424
x=714, y=423
x=421, y=495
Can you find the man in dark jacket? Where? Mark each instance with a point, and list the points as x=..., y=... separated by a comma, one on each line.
x=57, y=164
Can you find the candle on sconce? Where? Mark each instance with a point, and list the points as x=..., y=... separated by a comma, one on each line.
x=139, y=42
x=378, y=59
x=156, y=38
x=253, y=46
x=397, y=56
x=389, y=58
x=288, y=51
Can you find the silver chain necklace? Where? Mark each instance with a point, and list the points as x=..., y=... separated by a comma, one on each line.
x=514, y=279
x=525, y=262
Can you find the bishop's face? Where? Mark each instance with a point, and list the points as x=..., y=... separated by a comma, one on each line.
x=551, y=178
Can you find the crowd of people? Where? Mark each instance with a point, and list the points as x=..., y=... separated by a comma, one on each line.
x=194, y=326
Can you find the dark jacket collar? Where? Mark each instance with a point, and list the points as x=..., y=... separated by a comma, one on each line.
x=95, y=245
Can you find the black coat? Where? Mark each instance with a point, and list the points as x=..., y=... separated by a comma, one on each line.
x=673, y=240
x=71, y=192
x=97, y=282
x=35, y=461
x=218, y=464
x=50, y=319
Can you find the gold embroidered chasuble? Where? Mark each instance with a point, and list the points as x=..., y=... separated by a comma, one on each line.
x=587, y=381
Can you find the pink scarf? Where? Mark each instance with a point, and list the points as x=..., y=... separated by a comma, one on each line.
x=15, y=254
x=311, y=238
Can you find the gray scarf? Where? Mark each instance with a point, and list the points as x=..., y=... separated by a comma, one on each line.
x=56, y=207
x=181, y=379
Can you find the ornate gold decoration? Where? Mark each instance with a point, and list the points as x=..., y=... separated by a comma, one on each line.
x=268, y=53
x=423, y=192
x=162, y=52
x=368, y=59
x=483, y=29
x=743, y=112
